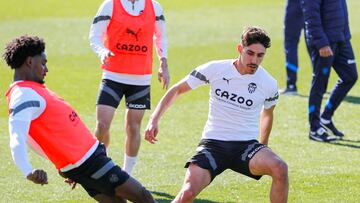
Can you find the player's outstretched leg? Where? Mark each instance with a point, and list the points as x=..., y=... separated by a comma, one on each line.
x=266, y=162
x=104, y=116
x=102, y=198
x=196, y=179
x=133, y=120
x=132, y=190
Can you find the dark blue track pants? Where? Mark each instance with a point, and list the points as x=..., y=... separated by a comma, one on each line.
x=343, y=62
x=293, y=24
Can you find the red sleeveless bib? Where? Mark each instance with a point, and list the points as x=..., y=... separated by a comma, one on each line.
x=58, y=130
x=130, y=38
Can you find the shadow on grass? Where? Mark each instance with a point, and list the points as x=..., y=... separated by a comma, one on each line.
x=352, y=99
x=347, y=143
x=348, y=99
x=167, y=198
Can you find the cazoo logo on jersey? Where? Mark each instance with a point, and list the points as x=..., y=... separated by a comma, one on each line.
x=233, y=97
x=135, y=46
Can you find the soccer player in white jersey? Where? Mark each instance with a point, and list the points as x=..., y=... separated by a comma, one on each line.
x=122, y=35
x=241, y=92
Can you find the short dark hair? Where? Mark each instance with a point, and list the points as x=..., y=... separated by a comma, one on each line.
x=253, y=35
x=22, y=47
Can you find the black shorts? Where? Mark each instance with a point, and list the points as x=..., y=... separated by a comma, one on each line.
x=98, y=174
x=136, y=96
x=217, y=156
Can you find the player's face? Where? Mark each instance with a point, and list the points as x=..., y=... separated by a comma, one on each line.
x=39, y=68
x=251, y=57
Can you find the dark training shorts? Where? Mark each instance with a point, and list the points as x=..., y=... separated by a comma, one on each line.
x=98, y=174
x=136, y=96
x=217, y=156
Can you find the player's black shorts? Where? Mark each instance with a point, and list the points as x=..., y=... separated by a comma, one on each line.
x=136, y=96
x=217, y=156
x=98, y=174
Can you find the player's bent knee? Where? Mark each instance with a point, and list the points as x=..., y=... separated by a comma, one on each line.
x=147, y=196
x=133, y=130
x=102, y=126
x=279, y=170
x=349, y=80
x=187, y=195
x=354, y=78
x=133, y=126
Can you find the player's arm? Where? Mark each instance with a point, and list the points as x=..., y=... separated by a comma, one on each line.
x=98, y=26
x=18, y=133
x=24, y=107
x=161, y=45
x=166, y=101
x=312, y=16
x=266, y=121
x=198, y=77
x=267, y=114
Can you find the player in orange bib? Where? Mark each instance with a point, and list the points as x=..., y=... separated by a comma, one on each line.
x=122, y=35
x=40, y=118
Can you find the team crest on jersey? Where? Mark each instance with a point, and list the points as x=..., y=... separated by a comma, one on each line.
x=252, y=87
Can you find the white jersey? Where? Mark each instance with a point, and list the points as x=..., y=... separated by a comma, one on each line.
x=100, y=24
x=235, y=100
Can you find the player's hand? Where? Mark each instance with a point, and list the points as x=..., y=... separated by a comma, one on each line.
x=70, y=182
x=326, y=51
x=151, y=131
x=104, y=55
x=163, y=73
x=38, y=176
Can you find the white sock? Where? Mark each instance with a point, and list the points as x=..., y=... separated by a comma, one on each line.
x=324, y=121
x=129, y=163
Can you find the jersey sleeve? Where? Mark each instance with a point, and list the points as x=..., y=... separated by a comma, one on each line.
x=18, y=136
x=25, y=105
x=99, y=26
x=160, y=37
x=201, y=75
x=272, y=97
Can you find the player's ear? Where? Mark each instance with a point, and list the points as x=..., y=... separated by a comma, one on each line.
x=239, y=48
x=28, y=61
